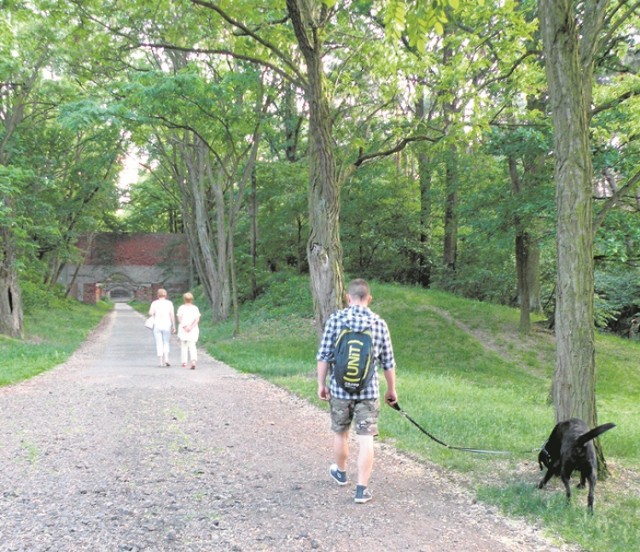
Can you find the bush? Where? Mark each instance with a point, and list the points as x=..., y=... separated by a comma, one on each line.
x=617, y=299
x=36, y=296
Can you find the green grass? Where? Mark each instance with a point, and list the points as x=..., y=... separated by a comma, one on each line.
x=51, y=336
x=467, y=376
x=613, y=528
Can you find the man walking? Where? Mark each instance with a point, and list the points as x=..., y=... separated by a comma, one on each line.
x=362, y=406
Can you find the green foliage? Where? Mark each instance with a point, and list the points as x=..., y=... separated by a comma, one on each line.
x=617, y=298
x=418, y=18
x=283, y=215
x=471, y=66
x=58, y=152
x=380, y=224
x=617, y=241
x=149, y=206
x=36, y=298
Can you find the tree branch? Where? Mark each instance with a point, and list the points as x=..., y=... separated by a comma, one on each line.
x=613, y=27
x=403, y=143
x=214, y=51
x=632, y=183
x=515, y=65
x=614, y=102
x=271, y=47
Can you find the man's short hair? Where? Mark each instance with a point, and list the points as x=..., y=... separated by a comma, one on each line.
x=359, y=289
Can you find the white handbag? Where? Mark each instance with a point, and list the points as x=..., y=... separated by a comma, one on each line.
x=149, y=323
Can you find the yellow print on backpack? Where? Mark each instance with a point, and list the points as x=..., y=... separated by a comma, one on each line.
x=353, y=358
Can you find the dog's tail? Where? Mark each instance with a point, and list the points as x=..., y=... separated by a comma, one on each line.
x=586, y=437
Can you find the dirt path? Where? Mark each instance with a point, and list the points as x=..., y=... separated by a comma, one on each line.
x=109, y=452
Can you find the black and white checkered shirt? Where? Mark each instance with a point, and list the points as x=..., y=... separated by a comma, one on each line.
x=357, y=318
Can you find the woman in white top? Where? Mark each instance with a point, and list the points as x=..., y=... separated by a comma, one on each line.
x=188, y=330
x=164, y=324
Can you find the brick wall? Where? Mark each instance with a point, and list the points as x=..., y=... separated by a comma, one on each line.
x=135, y=249
x=133, y=266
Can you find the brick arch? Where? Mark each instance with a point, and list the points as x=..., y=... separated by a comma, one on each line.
x=119, y=287
x=129, y=266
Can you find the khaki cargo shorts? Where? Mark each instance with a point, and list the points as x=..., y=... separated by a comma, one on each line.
x=364, y=413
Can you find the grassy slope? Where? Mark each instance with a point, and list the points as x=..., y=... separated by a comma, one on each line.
x=469, y=378
x=51, y=335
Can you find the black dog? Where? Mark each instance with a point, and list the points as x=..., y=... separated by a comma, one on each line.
x=569, y=448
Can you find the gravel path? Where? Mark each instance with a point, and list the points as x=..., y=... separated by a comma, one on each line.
x=109, y=452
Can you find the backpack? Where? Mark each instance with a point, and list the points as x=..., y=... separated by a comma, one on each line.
x=353, y=364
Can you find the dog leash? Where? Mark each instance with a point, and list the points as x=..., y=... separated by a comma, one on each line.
x=396, y=406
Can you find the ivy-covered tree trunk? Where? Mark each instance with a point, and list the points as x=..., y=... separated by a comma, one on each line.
x=324, y=249
x=569, y=59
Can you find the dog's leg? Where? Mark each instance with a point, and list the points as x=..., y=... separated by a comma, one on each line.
x=582, y=483
x=545, y=479
x=565, y=480
x=592, y=490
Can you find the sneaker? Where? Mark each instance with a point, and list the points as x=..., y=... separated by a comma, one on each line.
x=338, y=476
x=362, y=495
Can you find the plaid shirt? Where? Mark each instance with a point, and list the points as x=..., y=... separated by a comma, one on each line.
x=357, y=318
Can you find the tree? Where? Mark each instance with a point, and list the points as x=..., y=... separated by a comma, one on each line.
x=23, y=56
x=206, y=145
x=310, y=21
x=324, y=250
x=570, y=40
x=58, y=155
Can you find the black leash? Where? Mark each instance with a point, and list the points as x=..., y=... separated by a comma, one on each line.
x=396, y=406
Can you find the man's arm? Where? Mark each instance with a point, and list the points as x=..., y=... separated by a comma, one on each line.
x=323, y=390
x=390, y=396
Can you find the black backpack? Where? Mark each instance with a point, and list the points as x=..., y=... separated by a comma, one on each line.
x=353, y=364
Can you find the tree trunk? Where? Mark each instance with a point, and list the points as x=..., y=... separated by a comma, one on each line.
x=522, y=253
x=533, y=276
x=195, y=186
x=216, y=181
x=324, y=249
x=569, y=60
x=424, y=259
x=10, y=296
x=451, y=210
x=292, y=123
x=424, y=177
x=253, y=215
x=534, y=173
x=232, y=267
x=11, y=323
